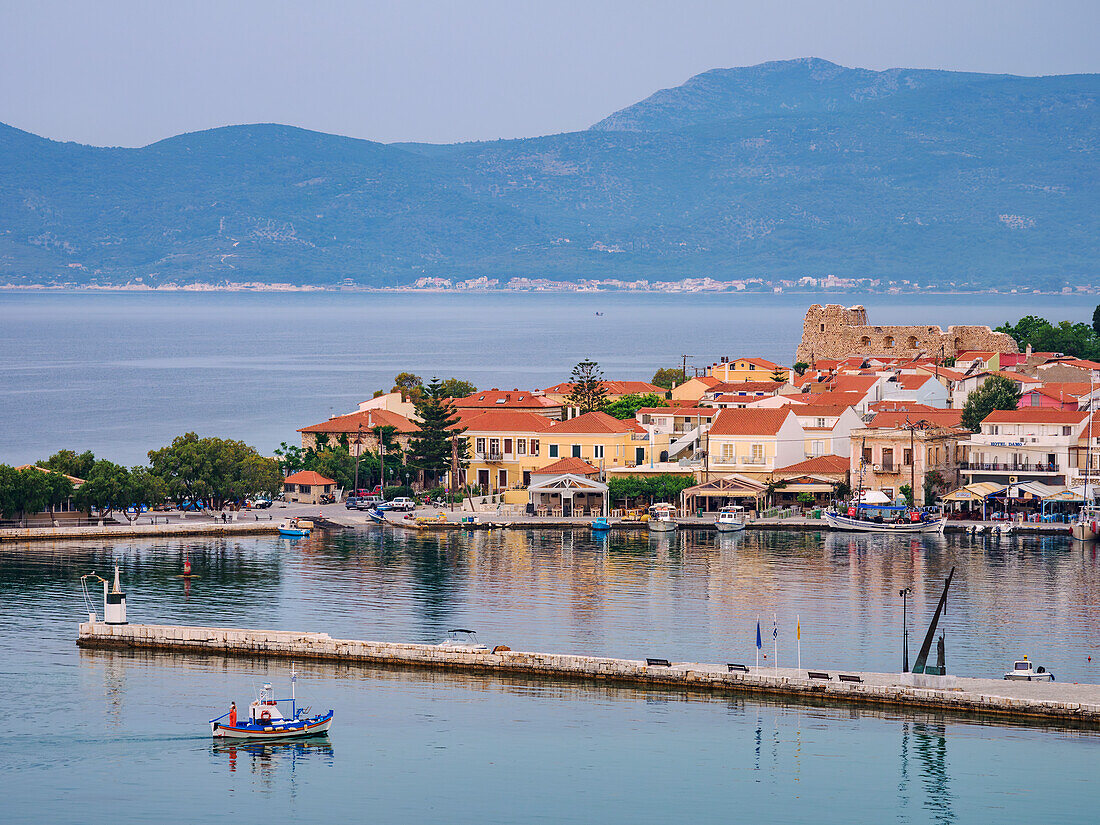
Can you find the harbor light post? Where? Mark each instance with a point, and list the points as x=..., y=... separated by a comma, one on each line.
x=905, y=593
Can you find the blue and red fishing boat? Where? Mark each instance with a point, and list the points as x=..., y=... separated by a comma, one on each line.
x=266, y=720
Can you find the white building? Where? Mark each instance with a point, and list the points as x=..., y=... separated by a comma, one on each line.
x=1024, y=445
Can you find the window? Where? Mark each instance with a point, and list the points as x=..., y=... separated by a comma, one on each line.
x=597, y=451
x=494, y=446
x=534, y=445
x=1036, y=401
x=729, y=453
x=887, y=458
x=521, y=446
x=576, y=451
x=907, y=457
x=821, y=423
x=818, y=448
x=888, y=341
x=479, y=447
x=1066, y=430
x=757, y=453
x=867, y=455
x=553, y=451
x=508, y=446
x=888, y=492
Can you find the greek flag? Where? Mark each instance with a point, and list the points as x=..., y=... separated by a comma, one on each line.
x=775, y=628
x=758, y=644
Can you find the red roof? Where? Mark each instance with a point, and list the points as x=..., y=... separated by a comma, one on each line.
x=1035, y=415
x=759, y=362
x=76, y=481
x=369, y=419
x=823, y=464
x=904, y=406
x=749, y=421
x=614, y=388
x=681, y=412
x=746, y=386
x=307, y=477
x=575, y=466
x=847, y=399
x=820, y=410
x=897, y=418
x=909, y=381
x=593, y=422
x=504, y=421
x=854, y=383
x=505, y=400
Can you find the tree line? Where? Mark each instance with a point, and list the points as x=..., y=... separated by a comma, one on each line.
x=1079, y=340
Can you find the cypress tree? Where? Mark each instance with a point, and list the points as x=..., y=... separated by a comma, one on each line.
x=588, y=393
x=430, y=447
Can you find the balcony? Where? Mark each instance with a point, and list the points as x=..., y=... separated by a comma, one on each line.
x=491, y=458
x=1008, y=467
x=886, y=468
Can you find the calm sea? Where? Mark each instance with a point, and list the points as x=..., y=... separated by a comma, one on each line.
x=92, y=736
x=121, y=373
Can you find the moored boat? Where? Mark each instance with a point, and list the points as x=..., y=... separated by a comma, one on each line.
x=295, y=527
x=600, y=524
x=1086, y=525
x=730, y=519
x=884, y=518
x=462, y=639
x=266, y=720
x=1024, y=671
x=660, y=519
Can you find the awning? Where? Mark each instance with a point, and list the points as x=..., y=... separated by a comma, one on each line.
x=728, y=486
x=974, y=492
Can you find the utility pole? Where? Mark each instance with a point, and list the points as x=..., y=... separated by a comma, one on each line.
x=912, y=463
x=684, y=369
x=358, y=452
x=454, y=469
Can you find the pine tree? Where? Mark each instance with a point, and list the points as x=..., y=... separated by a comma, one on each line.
x=430, y=447
x=588, y=393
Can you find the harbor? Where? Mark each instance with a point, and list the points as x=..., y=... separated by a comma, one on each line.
x=1064, y=703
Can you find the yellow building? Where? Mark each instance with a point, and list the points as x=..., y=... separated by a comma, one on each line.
x=504, y=447
x=605, y=441
x=746, y=369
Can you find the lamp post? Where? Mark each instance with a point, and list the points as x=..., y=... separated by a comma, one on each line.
x=905, y=593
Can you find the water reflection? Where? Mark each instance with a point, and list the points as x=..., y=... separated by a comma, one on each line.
x=274, y=762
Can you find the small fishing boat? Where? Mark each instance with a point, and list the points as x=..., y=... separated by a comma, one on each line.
x=884, y=518
x=1024, y=671
x=266, y=720
x=295, y=527
x=730, y=519
x=460, y=639
x=600, y=524
x=1086, y=524
x=377, y=516
x=660, y=519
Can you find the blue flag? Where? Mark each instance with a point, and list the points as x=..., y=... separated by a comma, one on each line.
x=758, y=645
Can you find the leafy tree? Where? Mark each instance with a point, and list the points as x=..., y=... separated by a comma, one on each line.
x=107, y=486
x=33, y=491
x=588, y=393
x=322, y=440
x=933, y=483
x=58, y=490
x=664, y=487
x=339, y=465
x=9, y=491
x=800, y=367
x=291, y=458
x=805, y=498
x=841, y=491
x=1096, y=320
x=215, y=469
x=906, y=491
x=669, y=377
x=456, y=388
x=628, y=406
x=430, y=446
x=69, y=463
x=146, y=487
x=997, y=393
x=410, y=385
x=1079, y=340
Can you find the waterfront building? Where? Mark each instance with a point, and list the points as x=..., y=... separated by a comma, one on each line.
x=1025, y=445
x=684, y=427
x=307, y=487
x=828, y=428
x=754, y=442
x=606, y=442
x=358, y=430
x=889, y=457
x=504, y=447
x=394, y=402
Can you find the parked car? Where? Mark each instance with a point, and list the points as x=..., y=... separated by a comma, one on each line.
x=261, y=503
x=368, y=502
x=350, y=502
x=403, y=503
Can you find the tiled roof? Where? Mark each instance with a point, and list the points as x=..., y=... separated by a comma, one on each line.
x=613, y=388
x=76, y=481
x=912, y=382
x=746, y=386
x=307, y=477
x=898, y=418
x=848, y=399
x=593, y=422
x=369, y=419
x=576, y=466
x=1058, y=389
x=820, y=410
x=1034, y=415
x=749, y=421
x=759, y=362
x=681, y=412
x=505, y=421
x=1015, y=376
x=821, y=464
x=854, y=383
x=504, y=399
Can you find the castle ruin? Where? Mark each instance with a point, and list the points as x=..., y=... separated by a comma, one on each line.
x=835, y=332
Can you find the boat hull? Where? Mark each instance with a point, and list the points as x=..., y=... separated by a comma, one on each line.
x=1082, y=531
x=661, y=526
x=729, y=526
x=854, y=525
x=292, y=730
x=1034, y=677
x=376, y=517
x=293, y=532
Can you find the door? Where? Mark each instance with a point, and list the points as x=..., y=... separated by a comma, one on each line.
x=483, y=479
x=639, y=455
x=502, y=479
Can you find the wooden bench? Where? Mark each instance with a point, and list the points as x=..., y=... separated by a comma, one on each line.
x=817, y=674
x=658, y=663
x=847, y=677
x=732, y=667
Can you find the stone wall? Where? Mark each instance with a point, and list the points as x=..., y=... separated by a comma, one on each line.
x=834, y=332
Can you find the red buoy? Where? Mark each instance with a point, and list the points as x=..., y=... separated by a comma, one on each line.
x=186, y=566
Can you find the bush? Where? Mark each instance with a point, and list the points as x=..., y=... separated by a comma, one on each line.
x=390, y=493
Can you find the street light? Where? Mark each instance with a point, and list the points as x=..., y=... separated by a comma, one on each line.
x=905, y=593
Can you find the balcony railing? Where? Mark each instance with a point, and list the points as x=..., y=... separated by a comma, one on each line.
x=489, y=456
x=1009, y=467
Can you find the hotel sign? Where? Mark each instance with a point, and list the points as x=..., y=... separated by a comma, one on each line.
x=1006, y=443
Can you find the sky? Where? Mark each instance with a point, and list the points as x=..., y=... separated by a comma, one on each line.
x=124, y=73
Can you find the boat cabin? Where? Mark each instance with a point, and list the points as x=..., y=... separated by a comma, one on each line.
x=265, y=710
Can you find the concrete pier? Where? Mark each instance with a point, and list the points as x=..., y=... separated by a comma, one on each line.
x=1055, y=702
x=111, y=531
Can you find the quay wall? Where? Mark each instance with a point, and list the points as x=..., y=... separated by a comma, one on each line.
x=1057, y=703
x=94, y=531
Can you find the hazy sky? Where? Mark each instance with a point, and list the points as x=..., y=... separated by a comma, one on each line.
x=110, y=72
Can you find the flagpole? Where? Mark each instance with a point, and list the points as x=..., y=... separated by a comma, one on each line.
x=798, y=635
x=775, y=640
x=758, y=644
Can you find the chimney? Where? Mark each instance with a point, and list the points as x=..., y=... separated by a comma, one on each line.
x=1027, y=352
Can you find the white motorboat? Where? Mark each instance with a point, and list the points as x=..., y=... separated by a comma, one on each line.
x=884, y=518
x=1086, y=525
x=660, y=519
x=460, y=639
x=730, y=519
x=1024, y=671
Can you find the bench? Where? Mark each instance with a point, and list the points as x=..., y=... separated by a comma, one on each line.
x=847, y=677
x=658, y=663
x=736, y=668
x=817, y=674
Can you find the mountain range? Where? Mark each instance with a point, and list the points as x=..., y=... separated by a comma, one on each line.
x=783, y=170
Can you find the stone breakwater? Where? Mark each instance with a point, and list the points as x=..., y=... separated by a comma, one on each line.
x=93, y=531
x=1065, y=703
